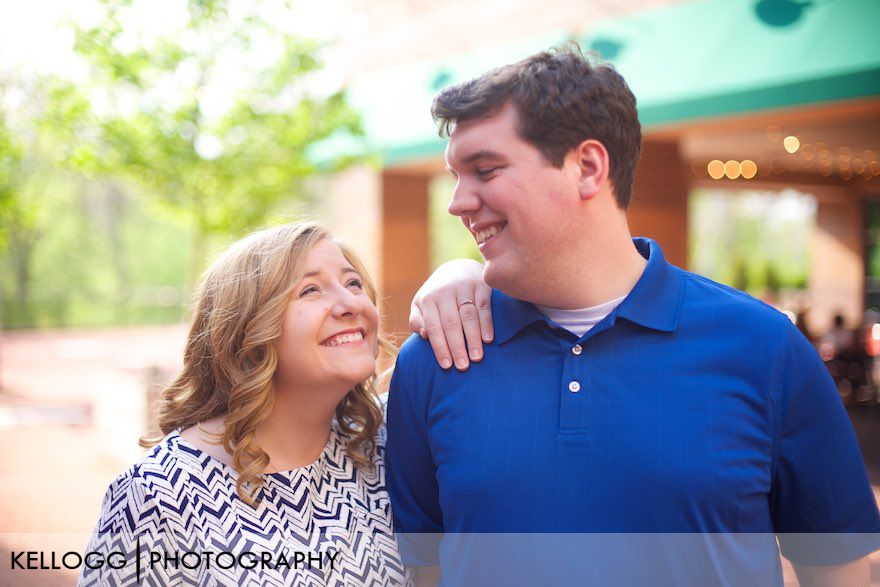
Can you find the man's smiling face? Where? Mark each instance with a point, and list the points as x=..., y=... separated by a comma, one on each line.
x=518, y=207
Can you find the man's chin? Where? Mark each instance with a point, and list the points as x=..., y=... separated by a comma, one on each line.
x=495, y=276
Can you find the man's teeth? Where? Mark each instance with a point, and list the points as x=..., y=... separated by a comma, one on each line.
x=350, y=337
x=485, y=235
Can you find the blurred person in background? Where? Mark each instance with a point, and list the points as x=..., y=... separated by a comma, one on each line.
x=271, y=468
x=842, y=338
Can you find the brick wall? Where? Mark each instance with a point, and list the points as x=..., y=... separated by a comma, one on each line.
x=660, y=194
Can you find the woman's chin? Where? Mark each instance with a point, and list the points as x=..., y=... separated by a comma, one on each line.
x=361, y=373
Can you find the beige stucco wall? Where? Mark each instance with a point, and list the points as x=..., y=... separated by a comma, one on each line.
x=837, y=263
x=350, y=203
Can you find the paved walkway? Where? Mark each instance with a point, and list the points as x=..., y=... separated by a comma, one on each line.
x=71, y=408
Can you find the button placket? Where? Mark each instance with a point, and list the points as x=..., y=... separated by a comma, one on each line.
x=574, y=401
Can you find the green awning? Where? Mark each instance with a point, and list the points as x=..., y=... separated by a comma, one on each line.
x=719, y=57
x=686, y=61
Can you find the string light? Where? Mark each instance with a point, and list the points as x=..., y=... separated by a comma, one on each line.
x=715, y=169
x=858, y=165
x=773, y=133
x=813, y=156
x=732, y=169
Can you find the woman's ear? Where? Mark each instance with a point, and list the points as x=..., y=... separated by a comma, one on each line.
x=592, y=161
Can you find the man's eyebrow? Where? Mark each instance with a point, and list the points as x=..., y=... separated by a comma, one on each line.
x=477, y=156
x=484, y=154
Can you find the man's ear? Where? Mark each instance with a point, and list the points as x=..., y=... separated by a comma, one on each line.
x=593, y=163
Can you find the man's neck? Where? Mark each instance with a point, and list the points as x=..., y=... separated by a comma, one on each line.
x=603, y=269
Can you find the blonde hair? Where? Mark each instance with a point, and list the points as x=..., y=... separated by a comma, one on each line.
x=230, y=356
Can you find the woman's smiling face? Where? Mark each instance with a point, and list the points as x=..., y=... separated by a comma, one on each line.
x=330, y=326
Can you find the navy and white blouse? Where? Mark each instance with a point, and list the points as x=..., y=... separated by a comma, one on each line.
x=175, y=517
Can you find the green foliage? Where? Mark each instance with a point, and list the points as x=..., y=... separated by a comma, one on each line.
x=220, y=173
x=10, y=161
x=449, y=239
x=754, y=241
x=113, y=189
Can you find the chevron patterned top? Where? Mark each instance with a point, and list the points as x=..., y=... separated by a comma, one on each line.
x=175, y=518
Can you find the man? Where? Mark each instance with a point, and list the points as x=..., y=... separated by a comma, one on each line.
x=655, y=426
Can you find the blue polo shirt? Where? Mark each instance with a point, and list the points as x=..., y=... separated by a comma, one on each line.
x=691, y=410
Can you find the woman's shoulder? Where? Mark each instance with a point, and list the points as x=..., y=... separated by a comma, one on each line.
x=166, y=477
x=162, y=464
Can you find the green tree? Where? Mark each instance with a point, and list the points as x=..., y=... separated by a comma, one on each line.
x=220, y=171
x=19, y=215
x=10, y=162
x=36, y=145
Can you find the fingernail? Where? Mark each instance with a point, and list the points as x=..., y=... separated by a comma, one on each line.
x=461, y=363
x=488, y=337
x=445, y=363
x=476, y=356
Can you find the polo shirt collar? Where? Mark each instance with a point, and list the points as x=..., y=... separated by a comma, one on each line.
x=654, y=302
x=511, y=315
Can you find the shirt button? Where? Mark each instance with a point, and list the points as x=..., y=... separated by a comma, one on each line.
x=574, y=387
x=577, y=349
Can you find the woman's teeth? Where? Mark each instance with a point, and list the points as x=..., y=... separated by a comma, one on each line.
x=350, y=337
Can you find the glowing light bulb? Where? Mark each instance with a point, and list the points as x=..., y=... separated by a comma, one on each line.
x=791, y=143
x=732, y=169
x=715, y=169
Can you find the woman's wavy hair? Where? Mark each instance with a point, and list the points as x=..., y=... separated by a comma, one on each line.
x=230, y=355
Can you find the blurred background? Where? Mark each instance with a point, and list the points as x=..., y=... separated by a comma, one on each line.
x=138, y=138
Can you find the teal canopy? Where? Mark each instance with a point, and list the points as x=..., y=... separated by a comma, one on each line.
x=686, y=61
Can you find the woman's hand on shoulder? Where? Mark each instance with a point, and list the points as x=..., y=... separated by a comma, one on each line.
x=453, y=311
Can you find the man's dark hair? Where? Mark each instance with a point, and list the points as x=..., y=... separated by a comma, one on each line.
x=561, y=99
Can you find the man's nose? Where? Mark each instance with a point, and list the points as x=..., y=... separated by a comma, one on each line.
x=465, y=200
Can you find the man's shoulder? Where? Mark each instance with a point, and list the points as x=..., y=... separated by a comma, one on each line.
x=415, y=361
x=725, y=301
x=416, y=352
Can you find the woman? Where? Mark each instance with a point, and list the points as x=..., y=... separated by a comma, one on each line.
x=271, y=470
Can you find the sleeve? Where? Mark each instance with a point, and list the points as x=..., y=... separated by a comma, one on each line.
x=412, y=479
x=127, y=531
x=823, y=509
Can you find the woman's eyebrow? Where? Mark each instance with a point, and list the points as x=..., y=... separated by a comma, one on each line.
x=316, y=272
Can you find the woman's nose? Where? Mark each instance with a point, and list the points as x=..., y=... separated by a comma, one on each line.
x=347, y=303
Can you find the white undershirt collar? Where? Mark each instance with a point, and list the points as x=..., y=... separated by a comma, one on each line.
x=580, y=321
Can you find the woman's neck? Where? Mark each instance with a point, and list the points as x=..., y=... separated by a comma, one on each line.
x=295, y=433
